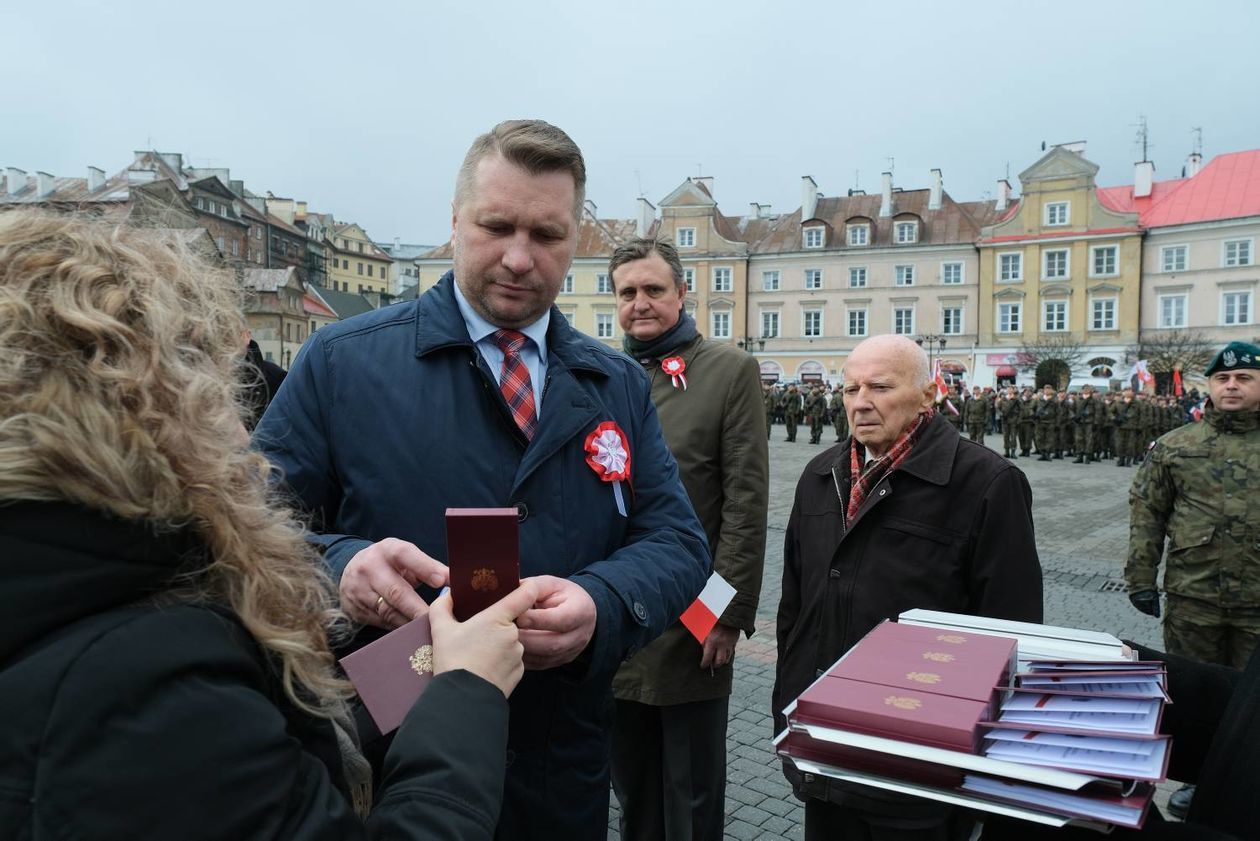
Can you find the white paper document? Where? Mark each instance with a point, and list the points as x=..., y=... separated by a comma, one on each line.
x=1143, y=722
x=1126, y=765
x=1144, y=747
x=1138, y=687
x=1106, y=810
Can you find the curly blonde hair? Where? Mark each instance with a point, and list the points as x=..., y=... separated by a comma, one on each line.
x=119, y=358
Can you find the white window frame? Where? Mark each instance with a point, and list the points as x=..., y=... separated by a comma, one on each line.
x=1093, y=260
x=1165, y=250
x=866, y=321
x=962, y=273
x=805, y=317
x=602, y=320
x=566, y=288
x=852, y=232
x=813, y=279
x=723, y=279
x=768, y=331
x=770, y=280
x=714, y=317
x=814, y=236
x=1067, y=264
x=903, y=274
x=854, y=277
x=1251, y=252
x=1058, y=304
x=962, y=320
x=1051, y=207
x=900, y=227
x=1015, y=309
x=1160, y=301
x=1094, y=304
x=686, y=237
x=689, y=279
x=893, y=324
x=603, y=284
x=1248, y=297
x=1018, y=276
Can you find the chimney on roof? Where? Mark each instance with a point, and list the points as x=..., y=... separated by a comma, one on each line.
x=754, y=210
x=809, y=197
x=885, y=203
x=1193, y=164
x=397, y=243
x=590, y=208
x=173, y=159
x=96, y=178
x=707, y=181
x=1143, y=178
x=44, y=184
x=934, y=197
x=855, y=191
x=238, y=187
x=16, y=179
x=647, y=215
x=1003, y=194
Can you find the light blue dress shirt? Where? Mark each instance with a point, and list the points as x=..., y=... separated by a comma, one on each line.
x=534, y=354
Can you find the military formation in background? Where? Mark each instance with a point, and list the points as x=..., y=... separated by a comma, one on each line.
x=1086, y=426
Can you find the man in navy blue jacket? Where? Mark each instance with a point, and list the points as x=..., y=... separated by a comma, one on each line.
x=480, y=394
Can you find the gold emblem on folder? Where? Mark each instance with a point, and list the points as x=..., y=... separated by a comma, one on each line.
x=484, y=579
x=952, y=639
x=903, y=703
x=422, y=660
x=938, y=656
x=923, y=677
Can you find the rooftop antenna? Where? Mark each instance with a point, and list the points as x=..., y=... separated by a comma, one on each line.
x=1197, y=131
x=891, y=164
x=639, y=177
x=1143, y=136
x=699, y=171
x=1008, y=170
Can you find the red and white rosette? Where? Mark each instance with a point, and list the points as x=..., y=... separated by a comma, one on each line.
x=608, y=454
x=674, y=366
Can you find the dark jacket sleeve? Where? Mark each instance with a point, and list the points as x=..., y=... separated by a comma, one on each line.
x=740, y=554
x=294, y=434
x=789, y=612
x=443, y=775
x=1005, y=572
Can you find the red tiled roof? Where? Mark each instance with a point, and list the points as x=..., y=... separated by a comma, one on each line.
x=1228, y=187
x=315, y=306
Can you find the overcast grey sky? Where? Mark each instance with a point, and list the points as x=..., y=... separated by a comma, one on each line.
x=365, y=108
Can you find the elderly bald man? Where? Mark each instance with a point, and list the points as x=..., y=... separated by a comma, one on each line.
x=903, y=513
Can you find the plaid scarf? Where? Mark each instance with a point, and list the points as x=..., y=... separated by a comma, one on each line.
x=862, y=480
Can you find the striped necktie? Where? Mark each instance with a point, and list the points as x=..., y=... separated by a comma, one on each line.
x=514, y=381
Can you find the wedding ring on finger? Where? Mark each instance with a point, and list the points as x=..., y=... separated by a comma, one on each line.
x=380, y=600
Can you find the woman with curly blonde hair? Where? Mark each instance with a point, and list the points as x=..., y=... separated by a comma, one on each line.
x=165, y=668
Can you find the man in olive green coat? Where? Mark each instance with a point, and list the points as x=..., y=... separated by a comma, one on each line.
x=976, y=415
x=816, y=409
x=1009, y=409
x=1126, y=417
x=1086, y=417
x=669, y=737
x=771, y=402
x=1046, y=417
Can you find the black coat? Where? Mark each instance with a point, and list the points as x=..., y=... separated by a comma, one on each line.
x=120, y=718
x=950, y=529
x=262, y=380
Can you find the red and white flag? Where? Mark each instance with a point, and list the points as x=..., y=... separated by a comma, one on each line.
x=705, y=610
x=1177, y=387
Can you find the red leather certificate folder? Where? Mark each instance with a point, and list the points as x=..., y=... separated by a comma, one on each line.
x=800, y=745
x=483, y=553
x=391, y=672
x=911, y=657
x=910, y=715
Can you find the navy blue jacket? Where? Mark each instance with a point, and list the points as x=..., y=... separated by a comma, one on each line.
x=389, y=418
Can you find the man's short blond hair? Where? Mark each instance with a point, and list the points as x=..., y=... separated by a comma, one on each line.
x=535, y=146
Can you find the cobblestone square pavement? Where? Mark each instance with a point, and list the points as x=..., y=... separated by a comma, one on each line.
x=1080, y=512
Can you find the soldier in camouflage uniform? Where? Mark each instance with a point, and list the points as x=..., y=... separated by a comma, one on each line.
x=955, y=417
x=1063, y=430
x=790, y=404
x=816, y=411
x=1046, y=417
x=1086, y=415
x=771, y=401
x=1127, y=419
x=1008, y=409
x=1148, y=430
x=976, y=415
x=1198, y=486
x=1105, y=428
x=838, y=418
x=1027, y=422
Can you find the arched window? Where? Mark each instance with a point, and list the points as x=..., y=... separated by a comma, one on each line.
x=1101, y=366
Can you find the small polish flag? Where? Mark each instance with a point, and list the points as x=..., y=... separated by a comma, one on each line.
x=705, y=610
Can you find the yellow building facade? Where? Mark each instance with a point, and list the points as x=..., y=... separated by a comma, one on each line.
x=355, y=263
x=1059, y=268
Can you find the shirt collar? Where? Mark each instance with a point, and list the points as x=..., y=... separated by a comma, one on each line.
x=479, y=328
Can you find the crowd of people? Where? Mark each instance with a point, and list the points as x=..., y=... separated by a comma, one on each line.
x=177, y=590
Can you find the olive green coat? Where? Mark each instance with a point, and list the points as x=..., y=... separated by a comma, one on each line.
x=1199, y=485
x=716, y=429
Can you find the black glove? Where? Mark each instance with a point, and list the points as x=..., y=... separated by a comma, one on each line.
x=1146, y=601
